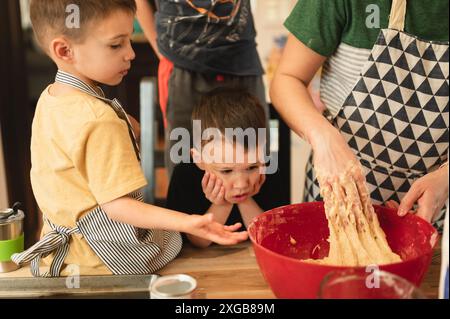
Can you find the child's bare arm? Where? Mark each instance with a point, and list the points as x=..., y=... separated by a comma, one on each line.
x=146, y=18
x=220, y=209
x=249, y=209
x=133, y=212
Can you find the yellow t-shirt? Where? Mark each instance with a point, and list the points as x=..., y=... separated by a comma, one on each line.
x=82, y=156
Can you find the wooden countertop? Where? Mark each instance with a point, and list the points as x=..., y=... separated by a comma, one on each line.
x=231, y=272
x=222, y=272
x=430, y=284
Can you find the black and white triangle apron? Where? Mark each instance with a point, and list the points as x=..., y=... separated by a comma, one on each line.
x=124, y=249
x=396, y=119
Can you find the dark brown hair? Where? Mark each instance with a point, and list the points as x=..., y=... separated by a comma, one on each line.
x=230, y=108
x=48, y=17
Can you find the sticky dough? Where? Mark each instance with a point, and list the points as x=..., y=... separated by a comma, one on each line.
x=356, y=238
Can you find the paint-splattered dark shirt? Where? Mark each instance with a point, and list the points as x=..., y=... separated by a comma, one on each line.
x=209, y=36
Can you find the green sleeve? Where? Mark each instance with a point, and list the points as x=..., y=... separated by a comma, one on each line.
x=318, y=24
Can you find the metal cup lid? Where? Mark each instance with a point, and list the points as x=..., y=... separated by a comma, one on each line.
x=6, y=213
x=11, y=214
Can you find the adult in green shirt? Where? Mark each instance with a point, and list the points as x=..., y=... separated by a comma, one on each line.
x=384, y=83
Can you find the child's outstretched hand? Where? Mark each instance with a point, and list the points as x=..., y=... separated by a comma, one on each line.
x=214, y=189
x=205, y=227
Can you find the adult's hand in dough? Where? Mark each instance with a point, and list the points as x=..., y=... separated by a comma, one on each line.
x=333, y=157
x=429, y=192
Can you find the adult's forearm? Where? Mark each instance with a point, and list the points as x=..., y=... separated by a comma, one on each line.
x=146, y=18
x=291, y=98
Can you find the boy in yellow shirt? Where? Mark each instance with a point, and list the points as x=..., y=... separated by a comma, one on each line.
x=85, y=171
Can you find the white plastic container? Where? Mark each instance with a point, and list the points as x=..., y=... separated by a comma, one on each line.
x=173, y=287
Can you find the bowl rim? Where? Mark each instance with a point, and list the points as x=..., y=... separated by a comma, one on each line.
x=433, y=240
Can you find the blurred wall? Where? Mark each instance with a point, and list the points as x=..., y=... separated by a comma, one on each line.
x=269, y=19
x=3, y=191
x=270, y=16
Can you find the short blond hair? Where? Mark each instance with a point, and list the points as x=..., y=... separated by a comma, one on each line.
x=48, y=17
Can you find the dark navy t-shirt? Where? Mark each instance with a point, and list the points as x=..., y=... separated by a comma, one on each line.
x=193, y=38
x=186, y=193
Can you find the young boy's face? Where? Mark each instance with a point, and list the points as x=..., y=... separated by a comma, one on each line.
x=105, y=55
x=239, y=177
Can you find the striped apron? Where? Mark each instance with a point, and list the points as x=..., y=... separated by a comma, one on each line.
x=124, y=249
x=395, y=118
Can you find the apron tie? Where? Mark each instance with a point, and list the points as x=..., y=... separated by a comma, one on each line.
x=56, y=240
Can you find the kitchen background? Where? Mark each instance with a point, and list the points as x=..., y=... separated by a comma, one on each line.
x=3, y=190
x=269, y=17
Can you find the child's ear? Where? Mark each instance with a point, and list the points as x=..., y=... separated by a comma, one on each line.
x=61, y=49
x=197, y=157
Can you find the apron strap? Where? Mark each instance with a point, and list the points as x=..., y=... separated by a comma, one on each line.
x=69, y=79
x=398, y=15
x=115, y=104
x=56, y=240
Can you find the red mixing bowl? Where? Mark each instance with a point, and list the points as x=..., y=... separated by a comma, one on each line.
x=284, y=236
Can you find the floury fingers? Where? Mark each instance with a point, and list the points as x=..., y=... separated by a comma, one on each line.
x=356, y=238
